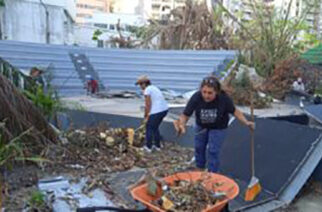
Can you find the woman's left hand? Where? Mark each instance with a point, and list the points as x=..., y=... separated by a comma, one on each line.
x=251, y=125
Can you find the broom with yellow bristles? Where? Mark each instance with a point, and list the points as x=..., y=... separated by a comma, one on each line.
x=254, y=187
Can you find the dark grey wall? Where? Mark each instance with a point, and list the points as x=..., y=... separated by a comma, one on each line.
x=280, y=148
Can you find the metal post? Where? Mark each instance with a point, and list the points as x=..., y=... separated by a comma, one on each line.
x=47, y=22
x=1, y=18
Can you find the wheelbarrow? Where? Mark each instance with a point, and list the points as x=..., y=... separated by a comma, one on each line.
x=227, y=186
x=140, y=192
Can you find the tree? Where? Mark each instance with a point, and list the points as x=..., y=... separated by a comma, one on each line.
x=191, y=27
x=96, y=34
x=270, y=35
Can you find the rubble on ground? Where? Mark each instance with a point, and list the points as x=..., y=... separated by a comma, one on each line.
x=185, y=195
x=108, y=149
x=241, y=90
x=287, y=71
x=97, y=153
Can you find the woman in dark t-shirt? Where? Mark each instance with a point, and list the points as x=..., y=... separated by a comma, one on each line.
x=212, y=107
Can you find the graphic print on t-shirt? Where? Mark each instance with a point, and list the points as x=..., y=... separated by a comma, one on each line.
x=208, y=116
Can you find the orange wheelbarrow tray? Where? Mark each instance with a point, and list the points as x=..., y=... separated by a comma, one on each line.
x=226, y=185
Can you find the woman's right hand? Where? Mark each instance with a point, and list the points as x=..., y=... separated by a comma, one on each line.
x=179, y=127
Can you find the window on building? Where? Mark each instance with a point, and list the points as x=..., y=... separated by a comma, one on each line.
x=100, y=8
x=83, y=15
x=101, y=25
x=155, y=7
x=112, y=27
x=166, y=8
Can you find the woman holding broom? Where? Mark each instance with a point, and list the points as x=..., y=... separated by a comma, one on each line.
x=212, y=107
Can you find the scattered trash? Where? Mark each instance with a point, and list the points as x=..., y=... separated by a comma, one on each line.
x=170, y=94
x=119, y=94
x=76, y=166
x=96, y=154
x=251, y=73
x=117, y=149
x=189, y=94
x=66, y=196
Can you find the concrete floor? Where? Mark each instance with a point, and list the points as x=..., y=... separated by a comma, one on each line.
x=308, y=200
x=129, y=107
x=134, y=107
x=311, y=202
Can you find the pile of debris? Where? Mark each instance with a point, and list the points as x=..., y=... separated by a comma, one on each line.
x=97, y=154
x=186, y=195
x=105, y=149
x=283, y=76
x=280, y=82
x=244, y=84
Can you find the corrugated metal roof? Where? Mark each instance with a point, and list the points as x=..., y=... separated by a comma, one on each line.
x=118, y=68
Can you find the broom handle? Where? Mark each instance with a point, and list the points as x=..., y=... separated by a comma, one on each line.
x=252, y=143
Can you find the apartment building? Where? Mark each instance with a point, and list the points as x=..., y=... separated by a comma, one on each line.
x=314, y=18
x=86, y=8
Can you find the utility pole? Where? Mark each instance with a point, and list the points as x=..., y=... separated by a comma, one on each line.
x=47, y=22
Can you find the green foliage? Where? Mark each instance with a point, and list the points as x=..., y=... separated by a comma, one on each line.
x=243, y=89
x=318, y=90
x=48, y=103
x=228, y=66
x=309, y=40
x=243, y=83
x=9, y=151
x=37, y=200
x=96, y=34
x=270, y=35
x=2, y=3
x=139, y=32
x=14, y=150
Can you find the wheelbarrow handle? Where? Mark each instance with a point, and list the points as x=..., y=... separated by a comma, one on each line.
x=94, y=209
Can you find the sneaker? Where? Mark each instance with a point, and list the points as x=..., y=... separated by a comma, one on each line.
x=158, y=149
x=147, y=149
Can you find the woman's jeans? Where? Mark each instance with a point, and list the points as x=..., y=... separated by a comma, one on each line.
x=152, y=129
x=214, y=139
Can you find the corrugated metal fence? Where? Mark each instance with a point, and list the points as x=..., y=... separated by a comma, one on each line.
x=117, y=68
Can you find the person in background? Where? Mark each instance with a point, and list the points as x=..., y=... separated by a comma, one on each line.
x=212, y=107
x=156, y=108
x=91, y=85
x=37, y=75
x=298, y=85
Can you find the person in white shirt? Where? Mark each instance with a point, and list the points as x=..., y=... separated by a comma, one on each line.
x=298, y=85
x=156, y=108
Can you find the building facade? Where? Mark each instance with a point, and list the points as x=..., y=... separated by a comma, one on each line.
x=108, y=24
x=149, y=9
x=244, y=10
x=46, y=21
x=86, y=8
